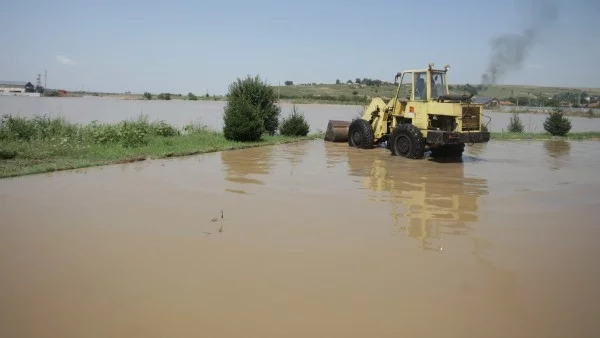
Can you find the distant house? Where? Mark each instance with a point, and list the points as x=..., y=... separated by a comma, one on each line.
x=29, y=88
x=13, y=86
x=486, y=101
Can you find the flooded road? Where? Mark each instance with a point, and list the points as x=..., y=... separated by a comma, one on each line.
x=308, y=239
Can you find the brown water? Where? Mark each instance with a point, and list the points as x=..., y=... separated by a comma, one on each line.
x=316, y=240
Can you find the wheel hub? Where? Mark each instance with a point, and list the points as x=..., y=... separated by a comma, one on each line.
x=356, y=137
x=402, y=144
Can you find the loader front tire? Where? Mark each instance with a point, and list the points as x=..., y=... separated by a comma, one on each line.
x=360, y=134
x=407, y=141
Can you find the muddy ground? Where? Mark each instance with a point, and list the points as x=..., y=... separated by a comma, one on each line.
x=315, y=240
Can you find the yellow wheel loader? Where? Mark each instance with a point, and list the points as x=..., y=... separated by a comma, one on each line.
x=422, y=116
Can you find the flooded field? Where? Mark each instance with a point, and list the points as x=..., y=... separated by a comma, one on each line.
x=180, y=113
x=308, y=240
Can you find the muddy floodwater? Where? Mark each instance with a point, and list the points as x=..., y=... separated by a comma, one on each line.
x=308, y=240
x=209, y=113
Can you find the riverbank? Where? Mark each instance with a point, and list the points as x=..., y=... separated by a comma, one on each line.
x=39, y=145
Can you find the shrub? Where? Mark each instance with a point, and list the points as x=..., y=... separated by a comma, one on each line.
x=163, y=129
x=36, y=128
x=133, y=133
x=102, y=133
x=56, y=129
x=129, y=134
x=147, y=96
x=7, y=154
x=195, y=128
x=295, y=124
x=556, y=124
x=164, y=96
x=242, y=121
x=252, y=92
x=515, y=125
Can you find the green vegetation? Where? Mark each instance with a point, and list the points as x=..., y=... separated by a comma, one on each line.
x=295, y=124
x=242, y=121
x=44, y=144
x=556, y=124
x=164, y=96
x=361, y=91
x=251, y=110
x=515, y=125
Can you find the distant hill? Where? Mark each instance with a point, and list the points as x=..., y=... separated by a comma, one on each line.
x=360, y=93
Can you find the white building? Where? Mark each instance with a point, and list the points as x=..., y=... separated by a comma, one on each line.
x=15, y=87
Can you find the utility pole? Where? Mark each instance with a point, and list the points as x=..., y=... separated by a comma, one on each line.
x=45, y=78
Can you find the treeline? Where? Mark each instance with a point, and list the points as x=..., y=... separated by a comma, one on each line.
x=355, y=98
x=168, y=96
x=575, y=99
x=366, y=82
x=358, y=81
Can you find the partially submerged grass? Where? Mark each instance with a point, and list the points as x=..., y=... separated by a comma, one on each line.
x=42, y=144
x=545, y=136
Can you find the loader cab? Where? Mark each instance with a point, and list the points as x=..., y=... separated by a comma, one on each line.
x=422, y=85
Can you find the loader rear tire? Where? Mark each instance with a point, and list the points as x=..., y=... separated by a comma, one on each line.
x=407, y=141
x=360, y=134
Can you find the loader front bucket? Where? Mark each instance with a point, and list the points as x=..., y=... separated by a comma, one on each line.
x=337, y=131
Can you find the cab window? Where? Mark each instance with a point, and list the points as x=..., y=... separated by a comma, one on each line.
x=438, y=87
x=405, y=86
x=421, y=86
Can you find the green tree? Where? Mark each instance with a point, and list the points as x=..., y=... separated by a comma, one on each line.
x=259, y=95
x=556, y=124
x=515, y=125
x=247, y=99
x=242, y=121
x=164, y=96
x=295, y=124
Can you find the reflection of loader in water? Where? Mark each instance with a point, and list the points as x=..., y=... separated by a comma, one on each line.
x=428, y=199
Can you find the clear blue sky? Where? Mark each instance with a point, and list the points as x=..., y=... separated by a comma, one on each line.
x=181, y=46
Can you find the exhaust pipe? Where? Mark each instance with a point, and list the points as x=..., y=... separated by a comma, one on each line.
x=337, y=131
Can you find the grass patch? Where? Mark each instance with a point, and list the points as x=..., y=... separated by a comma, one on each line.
x=41, y=144
x=544, y=136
